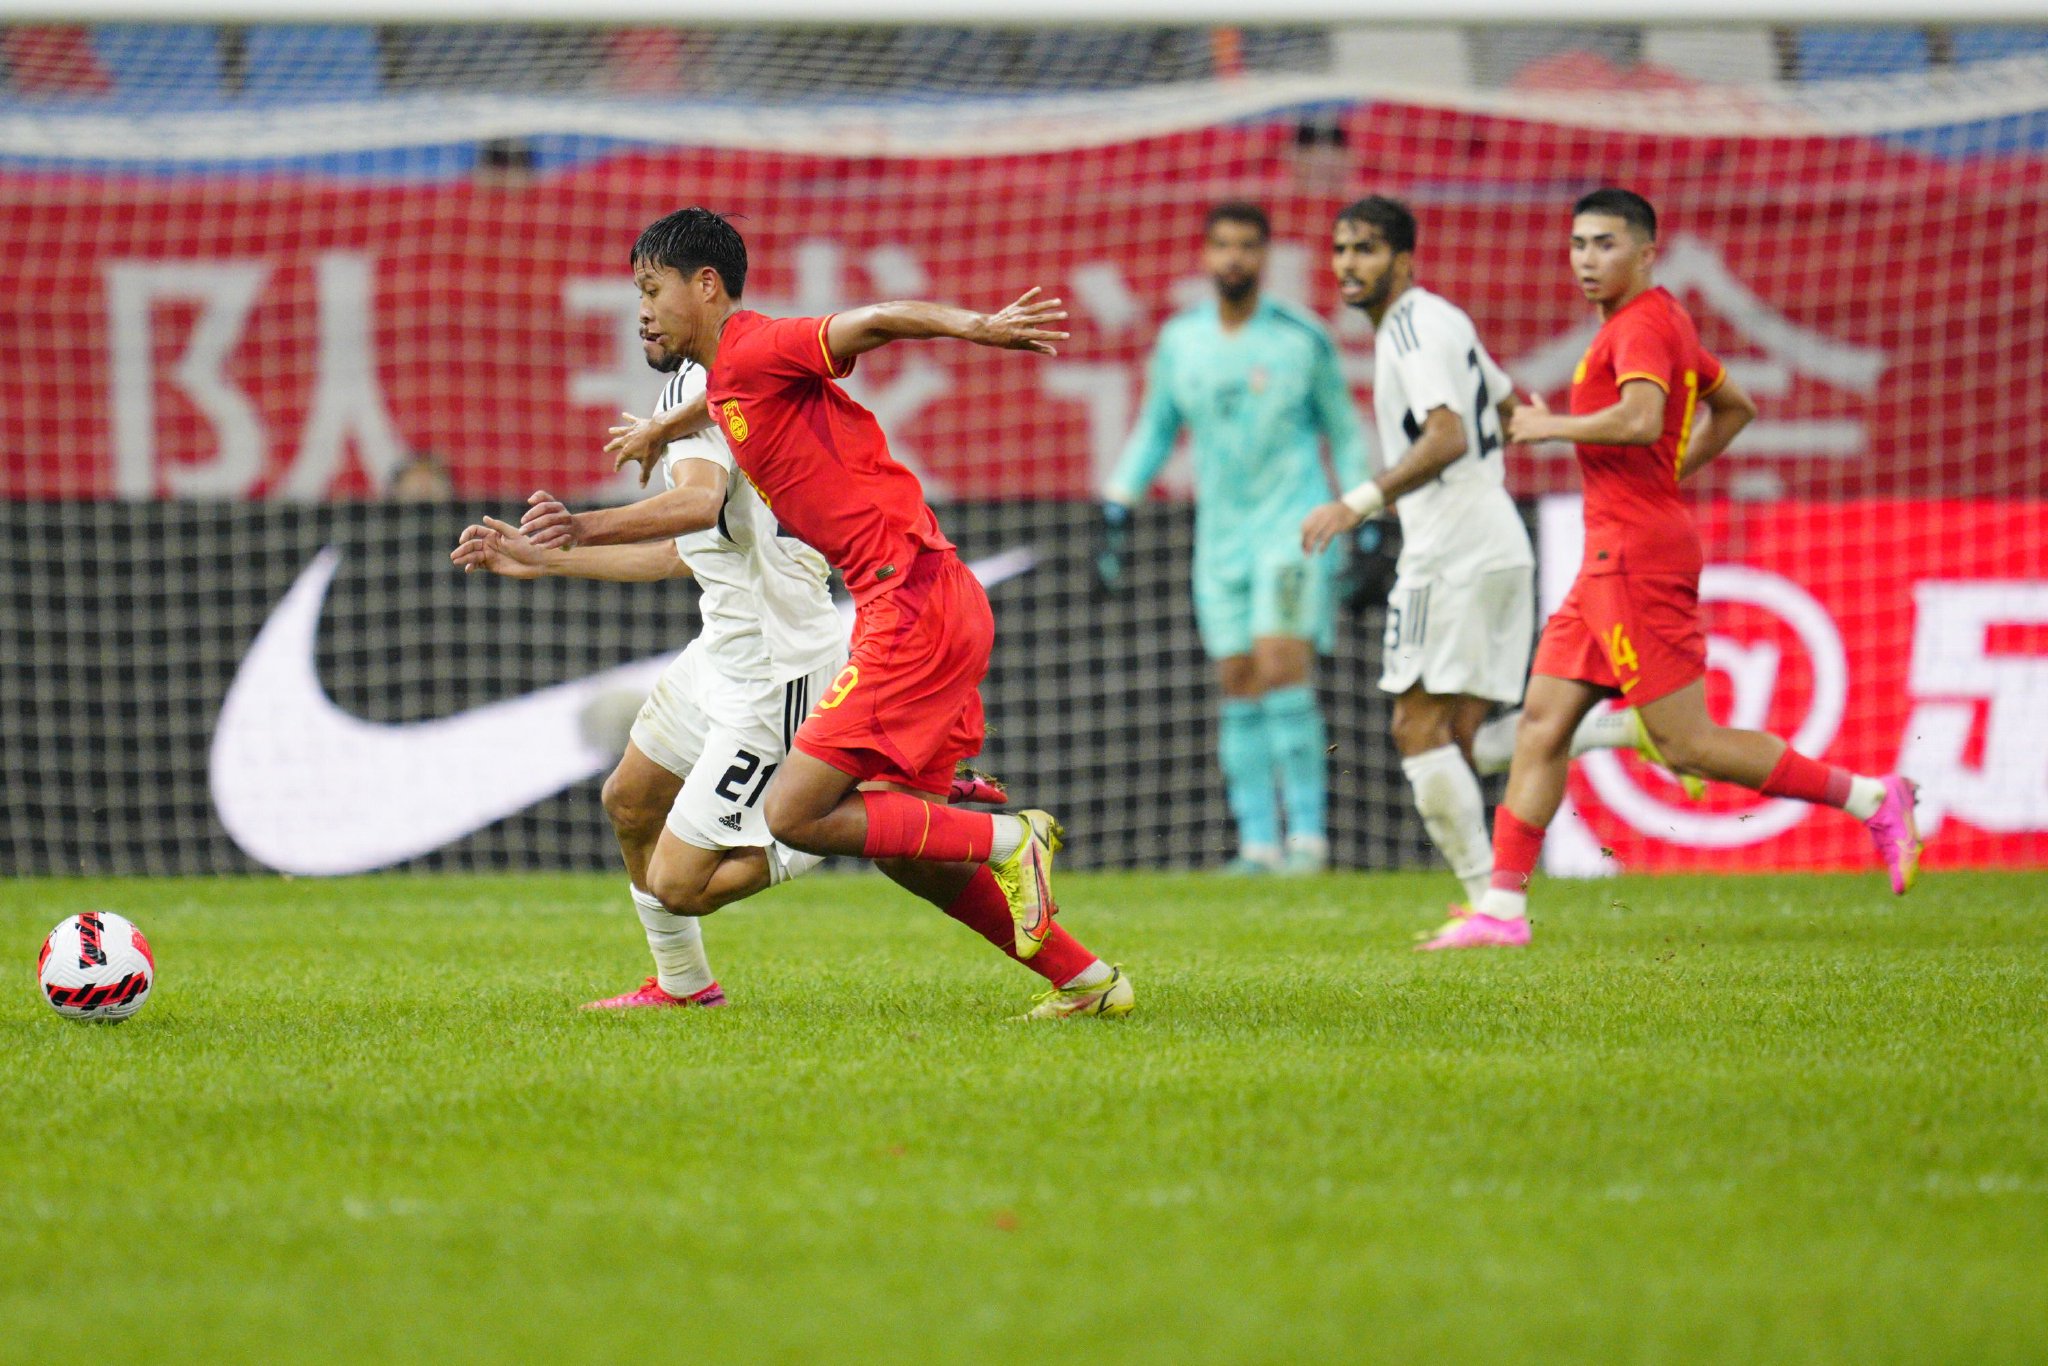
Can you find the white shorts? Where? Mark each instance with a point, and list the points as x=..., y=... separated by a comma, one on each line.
x=723, y=737
x=1469, y=639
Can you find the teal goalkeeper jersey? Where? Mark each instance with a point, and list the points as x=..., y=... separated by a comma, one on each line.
x=1257, y=402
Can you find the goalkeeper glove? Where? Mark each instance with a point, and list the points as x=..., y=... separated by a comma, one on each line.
x=1112, y=548
x=1368, y=577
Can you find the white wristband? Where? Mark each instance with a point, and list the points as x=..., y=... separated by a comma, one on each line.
x=1366, y=500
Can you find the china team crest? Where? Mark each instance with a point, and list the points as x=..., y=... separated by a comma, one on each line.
x=735, y=420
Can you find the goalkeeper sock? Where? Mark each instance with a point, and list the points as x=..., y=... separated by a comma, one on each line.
x=1294, y=731
x=1247, y=761
x=677, y=943
x=1447, y=797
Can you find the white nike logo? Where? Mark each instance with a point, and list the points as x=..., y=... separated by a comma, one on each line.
x=304, y=787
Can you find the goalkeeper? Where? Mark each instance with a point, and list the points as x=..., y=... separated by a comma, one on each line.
x=1257, y=384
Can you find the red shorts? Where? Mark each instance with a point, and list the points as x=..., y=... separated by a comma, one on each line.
x=906, y=708
x=1634, y=634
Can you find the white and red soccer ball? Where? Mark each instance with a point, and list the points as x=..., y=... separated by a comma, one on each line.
x=96, y=966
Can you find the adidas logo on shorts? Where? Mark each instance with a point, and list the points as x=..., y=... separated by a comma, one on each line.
x=730, y=821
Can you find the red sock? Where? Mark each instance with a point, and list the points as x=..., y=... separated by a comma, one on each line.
x=1516, y=845
x=1807, y=780
x=903, y=826
x=981, y=908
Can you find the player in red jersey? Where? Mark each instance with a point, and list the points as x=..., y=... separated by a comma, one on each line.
x=1630, y=626
x=869, y=771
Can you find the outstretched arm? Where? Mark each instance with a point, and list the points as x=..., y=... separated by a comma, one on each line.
x=500, y=548
x=692, y=505
x=1731, y=410
x=1030, y=324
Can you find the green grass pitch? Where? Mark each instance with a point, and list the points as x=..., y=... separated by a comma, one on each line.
x=1736, y=1119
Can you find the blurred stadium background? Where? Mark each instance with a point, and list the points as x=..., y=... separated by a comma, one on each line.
x=285, y=305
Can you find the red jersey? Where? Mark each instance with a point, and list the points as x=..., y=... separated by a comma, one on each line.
x=1635, y=520
x=819, y=459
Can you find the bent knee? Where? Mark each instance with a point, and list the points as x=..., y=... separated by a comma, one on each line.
x=1418, y=734
x=1420, y=723
x=1682, y=751
x=629, y=807
x=1548, y=733
x=790, y=823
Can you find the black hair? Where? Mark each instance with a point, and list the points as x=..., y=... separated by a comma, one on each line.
x=1395, y=223
x=688, y=240
x=1630, y=207
x=1237, y=211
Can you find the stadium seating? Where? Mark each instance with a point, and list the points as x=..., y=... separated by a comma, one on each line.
x=161, y=66
x=296, y=63
x=1827, y=54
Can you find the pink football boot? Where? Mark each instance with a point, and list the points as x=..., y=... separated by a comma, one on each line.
x=1476, y=931
x=1453, y=913
x=972, y=785
x=651, y=994
x=1896, y=834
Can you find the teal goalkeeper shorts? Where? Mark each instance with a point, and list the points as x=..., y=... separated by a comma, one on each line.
x=1275, y=592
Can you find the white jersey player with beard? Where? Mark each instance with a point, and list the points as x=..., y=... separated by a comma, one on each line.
x=1461, y=619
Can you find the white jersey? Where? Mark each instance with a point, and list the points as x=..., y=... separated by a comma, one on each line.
x=1427, y=355
x=768, y=613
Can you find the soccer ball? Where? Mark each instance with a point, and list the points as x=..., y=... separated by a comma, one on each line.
x=96, y=966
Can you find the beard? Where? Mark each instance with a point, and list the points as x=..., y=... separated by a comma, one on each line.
x=1236, y=290
x=664, y=362
x=1375, y=297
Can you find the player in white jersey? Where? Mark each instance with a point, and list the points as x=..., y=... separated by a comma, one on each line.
x=1461, y=619
x=685, y=800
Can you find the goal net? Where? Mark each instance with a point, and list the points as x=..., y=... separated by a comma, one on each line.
x=265, y=283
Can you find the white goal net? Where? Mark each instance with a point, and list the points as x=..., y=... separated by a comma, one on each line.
x=264, y=281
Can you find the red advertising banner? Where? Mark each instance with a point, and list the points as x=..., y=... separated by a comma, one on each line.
x=236, y=334
x=1885, y=636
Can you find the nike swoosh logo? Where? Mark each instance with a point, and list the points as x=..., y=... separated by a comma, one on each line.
x=304, y=787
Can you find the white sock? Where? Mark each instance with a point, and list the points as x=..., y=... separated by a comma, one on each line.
x=1094, y=975
x=1865, y=796
x=1605, y=728
x=1454, y=813
x=1503, y=905
x=677, y=943
x=1493, y=744
x=1010, y=833
x=785, y=863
